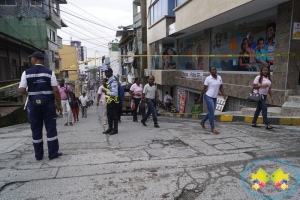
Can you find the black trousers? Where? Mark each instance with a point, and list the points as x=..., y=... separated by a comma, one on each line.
x=112, y=114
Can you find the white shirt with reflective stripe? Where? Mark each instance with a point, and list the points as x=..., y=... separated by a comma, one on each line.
x=23, y=82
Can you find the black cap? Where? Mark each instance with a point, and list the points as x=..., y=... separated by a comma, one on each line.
x=38, y=55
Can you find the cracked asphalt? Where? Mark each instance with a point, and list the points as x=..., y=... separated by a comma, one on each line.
x=177, y=161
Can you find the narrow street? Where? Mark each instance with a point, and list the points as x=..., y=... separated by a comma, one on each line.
x=177, y=161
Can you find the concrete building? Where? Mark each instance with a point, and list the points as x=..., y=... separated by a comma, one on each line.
x=140, y=29
x=188, y=28
x=27, y=26
x=73, y=55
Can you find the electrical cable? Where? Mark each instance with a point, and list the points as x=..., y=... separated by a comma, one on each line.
x=80, y=17
x=86, y=31
x=81, y=39
x=101, y=31
x=90, y=14
x=45, y=11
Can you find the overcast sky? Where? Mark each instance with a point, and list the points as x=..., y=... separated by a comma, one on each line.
x=110, y=13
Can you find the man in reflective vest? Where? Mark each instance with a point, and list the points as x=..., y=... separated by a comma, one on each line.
x=42, y=89
x=111, y=95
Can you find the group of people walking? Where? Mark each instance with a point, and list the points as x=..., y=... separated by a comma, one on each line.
x=212, y=85
x=41, y=86
x=109, y=95
x=70, y=103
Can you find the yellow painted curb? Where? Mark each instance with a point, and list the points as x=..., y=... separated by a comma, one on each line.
x=259, y=120
x=249, y=120
x=185, y=115
x=285, y=121
x=195, y=116
x=177, y=115
x=296, y=122
x=171, y=115
x=226, y=118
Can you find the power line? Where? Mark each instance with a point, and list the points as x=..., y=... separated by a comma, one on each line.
x=89, y=14
x=79, y=17
x=81, y=38
x=101, y=31
x=71, y=28
x=85, y=30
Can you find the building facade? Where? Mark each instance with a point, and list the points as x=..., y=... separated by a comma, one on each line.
x=186, y=37
x=27, y=26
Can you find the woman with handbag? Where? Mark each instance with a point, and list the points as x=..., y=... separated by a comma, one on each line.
x=136, y=91
x=262, y=86
x=212, y=85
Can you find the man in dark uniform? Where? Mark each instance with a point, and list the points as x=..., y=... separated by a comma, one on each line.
x=42, y=89
x=111, y=95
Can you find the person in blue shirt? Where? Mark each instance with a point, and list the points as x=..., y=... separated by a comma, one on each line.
x=42, y=92
x=265, y=60
x=112, y=101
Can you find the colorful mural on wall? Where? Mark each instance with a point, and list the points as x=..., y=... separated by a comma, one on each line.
x=252, y=35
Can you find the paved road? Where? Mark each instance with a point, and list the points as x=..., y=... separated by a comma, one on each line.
x=177, y=161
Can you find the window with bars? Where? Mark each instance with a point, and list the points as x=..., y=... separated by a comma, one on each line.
x=8, y=2
x=36, y=2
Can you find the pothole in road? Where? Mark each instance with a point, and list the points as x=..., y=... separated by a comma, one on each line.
x=176, y=143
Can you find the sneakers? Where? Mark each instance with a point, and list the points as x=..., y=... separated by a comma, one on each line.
x=58, y=155
x=156, y=126
x=66, y=124
x=71, y=124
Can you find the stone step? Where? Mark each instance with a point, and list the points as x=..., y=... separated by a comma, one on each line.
x=294, y=99
x=291, y=109
x=272, y=111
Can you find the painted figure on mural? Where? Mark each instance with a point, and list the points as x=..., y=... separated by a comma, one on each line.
x=270, y=40
x=198, y=52
x=169, y=61
x=218, y=40
x=152, y=57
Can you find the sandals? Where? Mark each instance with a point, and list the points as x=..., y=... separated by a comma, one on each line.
x=202, y=124
x=255, y=125
x=269, y=127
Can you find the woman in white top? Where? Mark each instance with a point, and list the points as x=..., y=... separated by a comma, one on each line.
x=212, y=85
x=262, y=85
x=136, y=90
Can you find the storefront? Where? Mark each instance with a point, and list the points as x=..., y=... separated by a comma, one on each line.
x=234, y=45
x=186, y=99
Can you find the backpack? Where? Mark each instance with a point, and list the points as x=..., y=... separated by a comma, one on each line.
x=120, y=92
